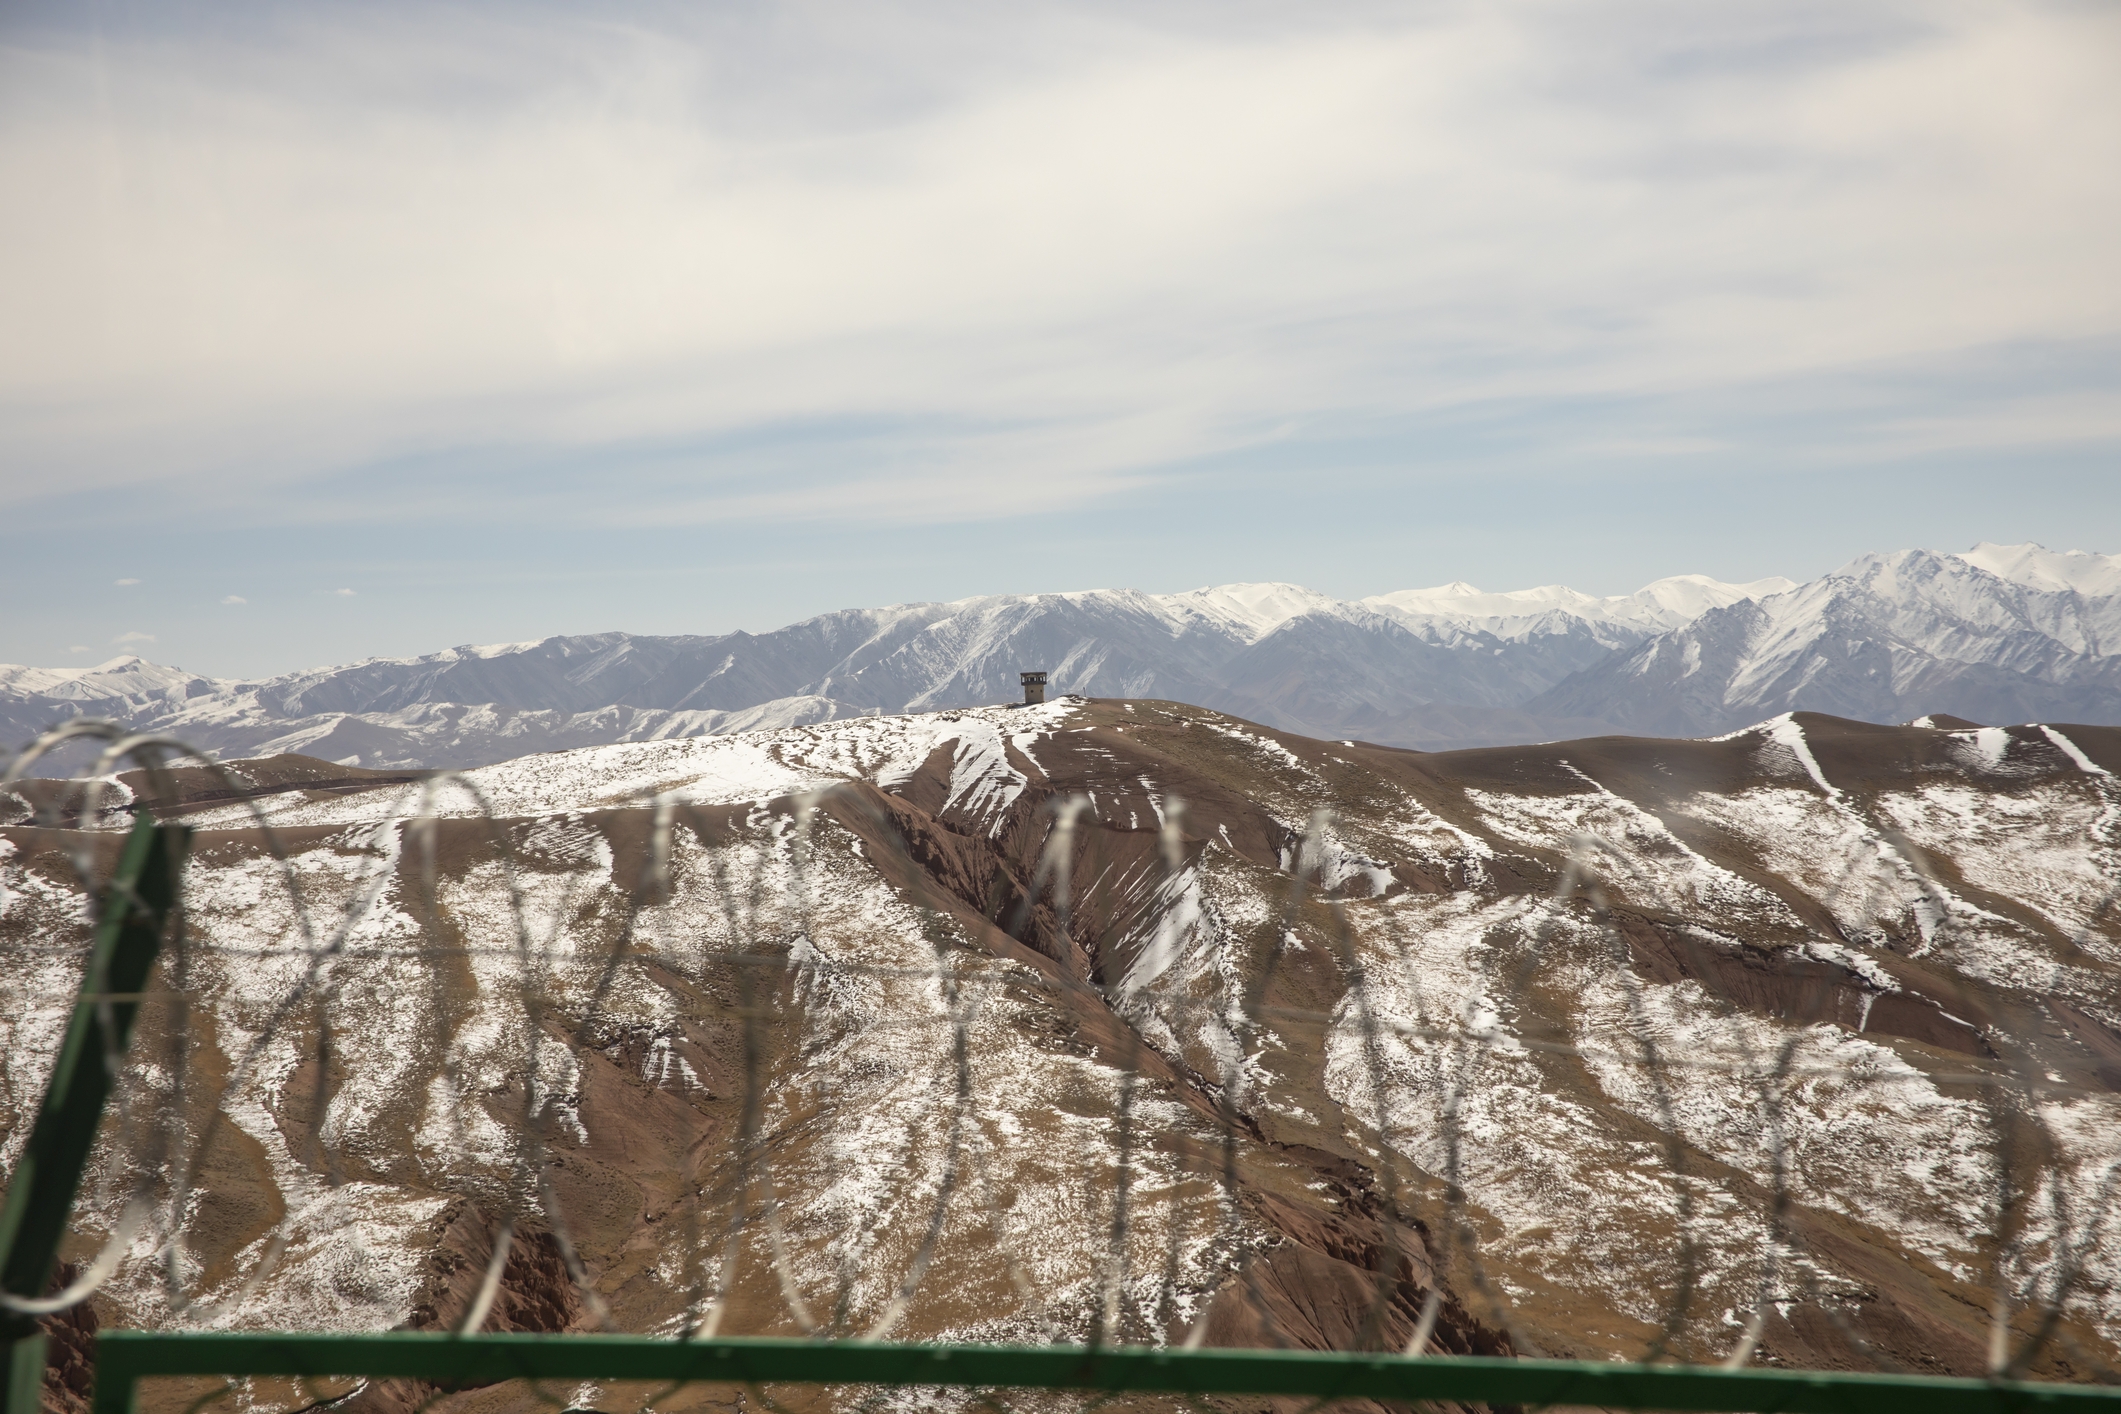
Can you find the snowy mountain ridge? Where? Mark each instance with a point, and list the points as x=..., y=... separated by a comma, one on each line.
x=1881, y=639
x=1997, y=633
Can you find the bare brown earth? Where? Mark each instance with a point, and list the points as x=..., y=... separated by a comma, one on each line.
x=1339, y=1250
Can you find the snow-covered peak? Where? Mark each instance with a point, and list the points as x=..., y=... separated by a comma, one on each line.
x=1252, y=610
x=1456, y=590
x=1460, y=598
x=1882, y=638
x=1664, y=604
x=1692, y=595
x=123, y=677
x=497, y=650
x=1951, y=606
x=2037, y=567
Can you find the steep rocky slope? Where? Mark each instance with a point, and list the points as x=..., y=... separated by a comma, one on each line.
x=1810, y=1035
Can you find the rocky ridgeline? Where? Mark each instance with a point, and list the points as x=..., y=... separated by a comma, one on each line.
x=1726, y=1037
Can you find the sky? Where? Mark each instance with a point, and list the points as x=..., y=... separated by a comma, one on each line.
x=346, y=330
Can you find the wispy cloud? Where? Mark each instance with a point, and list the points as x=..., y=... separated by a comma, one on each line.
x=234, y=599
x=80, y=648
x=121, y=583
x=1130, y=237
x=343, y=593
x=134, y=636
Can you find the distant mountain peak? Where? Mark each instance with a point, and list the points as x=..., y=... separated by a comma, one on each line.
x=1885, y=637
x=2037, y=567
x=1662, y=604
x=1256, y=610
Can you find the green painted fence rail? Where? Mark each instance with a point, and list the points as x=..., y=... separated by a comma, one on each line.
x=126, y=1357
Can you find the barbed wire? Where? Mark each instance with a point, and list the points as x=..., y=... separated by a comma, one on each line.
x=2046, y=1247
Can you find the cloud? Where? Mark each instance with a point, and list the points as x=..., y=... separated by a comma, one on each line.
x=121, y=583
x=343, y=593
x=234, y=599
x=80, y=648
x=134, y=636
x=1061, y=246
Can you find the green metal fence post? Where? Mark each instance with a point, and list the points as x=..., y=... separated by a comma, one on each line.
x=25, y=1373
x=40, y=1197
x=116, y=1385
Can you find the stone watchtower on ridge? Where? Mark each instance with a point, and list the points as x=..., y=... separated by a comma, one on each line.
x=1034, y=688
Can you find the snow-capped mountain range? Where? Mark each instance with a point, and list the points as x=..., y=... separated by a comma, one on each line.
x=1997, y=633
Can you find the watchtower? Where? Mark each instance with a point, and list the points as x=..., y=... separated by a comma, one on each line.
x=1034, y=688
